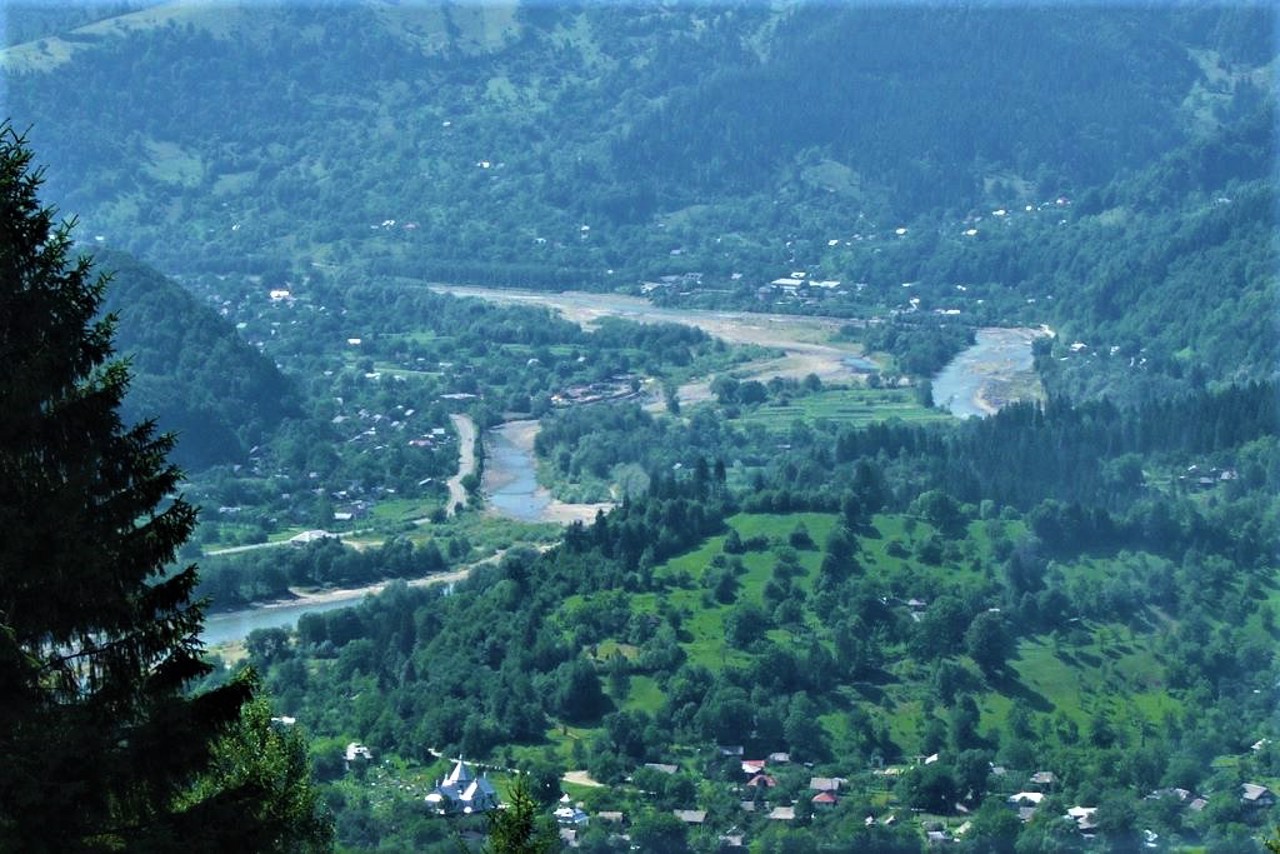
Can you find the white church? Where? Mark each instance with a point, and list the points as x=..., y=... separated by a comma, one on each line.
x=462, y=792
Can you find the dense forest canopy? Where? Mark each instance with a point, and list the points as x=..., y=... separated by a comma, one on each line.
x=191, y=371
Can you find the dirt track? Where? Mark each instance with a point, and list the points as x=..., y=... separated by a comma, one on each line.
x=466, y=460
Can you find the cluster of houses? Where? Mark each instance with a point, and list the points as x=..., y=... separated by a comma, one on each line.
x=1206, y=477
x=617, y=387
x=825, y=791
x=800, y=287
x=464, y=792
x=1253, y=796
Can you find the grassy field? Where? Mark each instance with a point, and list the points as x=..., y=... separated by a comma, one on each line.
x=1077, y=676
x=851, y=406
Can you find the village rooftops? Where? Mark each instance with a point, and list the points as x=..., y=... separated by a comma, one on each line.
x=1084, y=818
x=1256, y=795
x=1044, y=778
x=357, y=751
x=824, y=799
x=570, y=816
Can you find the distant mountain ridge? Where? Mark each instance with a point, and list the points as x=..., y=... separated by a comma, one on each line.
x=600, y=145
x=311, y=124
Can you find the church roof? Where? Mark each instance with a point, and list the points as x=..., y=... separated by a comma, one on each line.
x=460, y=775
x=479, y=788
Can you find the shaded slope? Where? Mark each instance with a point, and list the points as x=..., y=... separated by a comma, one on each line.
x=191, y=371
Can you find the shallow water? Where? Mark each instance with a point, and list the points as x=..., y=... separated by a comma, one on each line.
x=998, y=356
x=510, y=487
x=510, y=478
x=231, y=626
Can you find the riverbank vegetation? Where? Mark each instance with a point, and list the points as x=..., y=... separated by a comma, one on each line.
x=859, y=626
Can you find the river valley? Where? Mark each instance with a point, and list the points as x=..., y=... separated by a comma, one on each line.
x=994, y=371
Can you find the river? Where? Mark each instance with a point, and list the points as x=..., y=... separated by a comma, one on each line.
x=510, y=475
x=998, y=369
x=232, y=626
x=511, y=489
x=995, y=370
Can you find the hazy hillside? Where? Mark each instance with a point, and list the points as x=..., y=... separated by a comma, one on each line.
x=487, y=127
x=191, y=371
x=825, y=570
x=602, y=145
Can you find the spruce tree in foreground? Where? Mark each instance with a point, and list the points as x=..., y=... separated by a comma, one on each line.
x=102, y=746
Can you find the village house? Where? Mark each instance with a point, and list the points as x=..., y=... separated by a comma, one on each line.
x=825, y=784
x=357, y=753
x=567, y=815
x=1084, y=818
x=1256, y=796
x=1025, y=804
x=1045, y=779
x=734, y=840
x=824, y=800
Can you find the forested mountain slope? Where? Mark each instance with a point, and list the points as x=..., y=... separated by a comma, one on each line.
x=858, y=609
x=596, y=146
x=191, y=371
x=273, y=116
x=1085, y=587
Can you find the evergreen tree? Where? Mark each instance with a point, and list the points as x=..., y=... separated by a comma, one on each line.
x=519, y=828
x=105, y=747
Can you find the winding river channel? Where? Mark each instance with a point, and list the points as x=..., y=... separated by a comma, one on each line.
x=231, y=626
x=510, y=476
x=511, y=489
x=996, y=369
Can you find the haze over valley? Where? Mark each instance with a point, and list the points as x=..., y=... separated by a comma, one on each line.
x=773, y=427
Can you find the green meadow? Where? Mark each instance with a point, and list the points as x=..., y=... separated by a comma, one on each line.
x=1076, y=675
x=847, y=406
